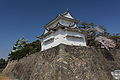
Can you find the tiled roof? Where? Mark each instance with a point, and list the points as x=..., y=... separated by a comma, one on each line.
x=62, y=27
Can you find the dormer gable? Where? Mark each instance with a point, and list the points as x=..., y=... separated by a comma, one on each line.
x=68, y=15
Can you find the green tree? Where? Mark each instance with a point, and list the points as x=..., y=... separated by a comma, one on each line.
x=89, y=31
x=29, y=48
x=3, y=63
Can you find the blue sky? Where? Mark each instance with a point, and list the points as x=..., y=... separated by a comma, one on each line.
x=26, y=17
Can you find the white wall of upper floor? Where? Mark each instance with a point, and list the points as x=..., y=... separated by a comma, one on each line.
x=63, y=22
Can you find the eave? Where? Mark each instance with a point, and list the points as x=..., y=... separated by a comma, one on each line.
x=44, y=35
x=56, y=28
x=61, y=17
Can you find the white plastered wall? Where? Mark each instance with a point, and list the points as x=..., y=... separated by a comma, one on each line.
x=60, y=37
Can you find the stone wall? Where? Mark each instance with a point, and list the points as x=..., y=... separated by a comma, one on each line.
x=66, y=63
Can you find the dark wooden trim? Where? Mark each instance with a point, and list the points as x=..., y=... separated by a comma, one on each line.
x=49, y=40
x=74, y=36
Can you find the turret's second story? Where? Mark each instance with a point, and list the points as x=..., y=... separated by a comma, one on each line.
x=65, y=19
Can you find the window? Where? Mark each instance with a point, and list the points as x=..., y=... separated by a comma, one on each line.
x=48, y=41
x=74, y=38
x=70, y=36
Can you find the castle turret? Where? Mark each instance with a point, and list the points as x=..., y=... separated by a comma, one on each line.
x=19, y=44
x=62, y=30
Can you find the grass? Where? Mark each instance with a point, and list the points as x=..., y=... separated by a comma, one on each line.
x=2, y=77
